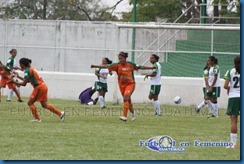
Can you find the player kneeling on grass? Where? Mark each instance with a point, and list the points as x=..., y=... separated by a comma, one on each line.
x=5, y=73
x=40, y=90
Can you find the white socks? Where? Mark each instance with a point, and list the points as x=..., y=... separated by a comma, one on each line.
x=201, y=105
x=233, y=137
x=102, y=101
x=11, y=92
x=215, y=109
x=156, y=105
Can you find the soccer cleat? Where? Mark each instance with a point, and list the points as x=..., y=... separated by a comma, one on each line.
x=95, y=101
x=19, y=100
x=103, y=107
x=62, y=116
x=197, y=110
x=133, y=117
x=123, y=118
x=211, y=115
x=36, y=120
x=232, y=147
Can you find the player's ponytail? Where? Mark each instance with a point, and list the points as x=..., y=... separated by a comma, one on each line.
x=108, y=61
x=124, y=54
x=237, y=64
x=25, y=61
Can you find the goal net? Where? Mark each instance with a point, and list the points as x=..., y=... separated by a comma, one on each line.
x=183, y=49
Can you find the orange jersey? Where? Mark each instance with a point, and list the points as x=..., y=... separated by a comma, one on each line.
x=5, y=72
x=125, y=72
x=33, y=77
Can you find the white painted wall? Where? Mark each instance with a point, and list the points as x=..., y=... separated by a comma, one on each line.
x=69, y=85
x=64, y=46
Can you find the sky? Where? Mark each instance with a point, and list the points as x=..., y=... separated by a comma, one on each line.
x=123, y=6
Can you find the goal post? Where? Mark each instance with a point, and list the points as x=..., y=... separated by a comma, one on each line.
x=183, y=48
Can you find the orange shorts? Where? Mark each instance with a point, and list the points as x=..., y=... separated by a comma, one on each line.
x=4, y=82
x=41, y=90
x=127, y=89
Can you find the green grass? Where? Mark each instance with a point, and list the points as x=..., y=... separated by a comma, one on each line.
x=91, y=134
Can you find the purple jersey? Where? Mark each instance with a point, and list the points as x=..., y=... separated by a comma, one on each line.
x=85, y=96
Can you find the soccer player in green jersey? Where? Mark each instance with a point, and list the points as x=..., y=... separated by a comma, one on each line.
x=101, y=82
x=232, y=84
x=12, y=64
x=155, y=83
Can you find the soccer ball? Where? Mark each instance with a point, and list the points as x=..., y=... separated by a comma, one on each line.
x=177, y=100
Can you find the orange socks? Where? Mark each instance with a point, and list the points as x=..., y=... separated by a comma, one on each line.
x=126, y=107
x=34, y=112
x=53, y=109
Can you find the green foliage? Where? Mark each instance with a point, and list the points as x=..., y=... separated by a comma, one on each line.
x=91, y=10
x=90, y=133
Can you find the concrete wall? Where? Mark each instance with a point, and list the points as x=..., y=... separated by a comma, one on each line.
x=69, y=46
x=69, y=86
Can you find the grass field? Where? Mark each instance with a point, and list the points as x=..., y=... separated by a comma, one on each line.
x=91, y=134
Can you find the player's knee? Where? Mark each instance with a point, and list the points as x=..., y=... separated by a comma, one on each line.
x=126, y=98
x=44, y=104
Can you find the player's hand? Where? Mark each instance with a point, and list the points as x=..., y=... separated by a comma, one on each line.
x=16, y=74
x=210, y=89
x=10, y=81
x=92, y=66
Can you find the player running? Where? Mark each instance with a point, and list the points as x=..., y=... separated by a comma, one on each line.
x=6, y=76
x=40, y=90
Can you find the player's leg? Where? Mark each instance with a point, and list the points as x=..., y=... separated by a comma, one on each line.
x=154, y=92
x=10, y=94
x=31, y=104
x=100, y=87
x=214, y=100
x=126, y=92
x=42, y=98
x=206, y=101
x=0, y=94
x=3, y=83
x=16, y=92
x=233, y=110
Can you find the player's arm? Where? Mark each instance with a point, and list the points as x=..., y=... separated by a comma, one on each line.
x=99, y=66
x=150, y=75
x=146, y=67
x=154, y=72
x=24, y=81
x=227, y=81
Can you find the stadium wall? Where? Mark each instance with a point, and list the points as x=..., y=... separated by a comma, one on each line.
x=69, y=85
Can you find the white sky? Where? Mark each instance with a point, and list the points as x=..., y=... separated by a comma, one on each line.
x=123, y=6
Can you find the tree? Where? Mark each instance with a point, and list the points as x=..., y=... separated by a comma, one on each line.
x=92, y=10
x=170, y=10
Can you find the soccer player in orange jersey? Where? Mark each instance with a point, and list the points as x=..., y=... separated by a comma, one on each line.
x=5, y=73
x=40, y=90
x=125, y=71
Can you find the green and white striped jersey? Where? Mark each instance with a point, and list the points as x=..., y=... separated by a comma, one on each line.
x=234, y=79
